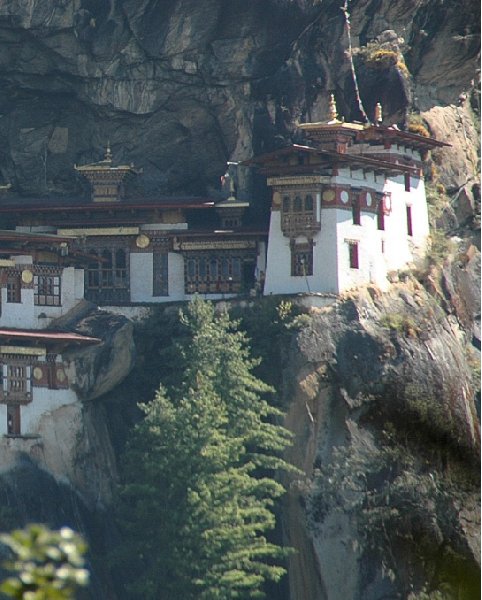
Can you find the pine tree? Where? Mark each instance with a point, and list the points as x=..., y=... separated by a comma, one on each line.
x=199, y=495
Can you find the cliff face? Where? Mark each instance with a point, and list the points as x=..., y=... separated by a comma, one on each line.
x=218, y=82
x=380, y=397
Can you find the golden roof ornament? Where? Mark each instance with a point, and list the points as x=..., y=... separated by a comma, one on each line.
x=378, y=113
x=108, y=153
x=332, y=108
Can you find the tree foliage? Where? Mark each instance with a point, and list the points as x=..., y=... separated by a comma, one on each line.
x=199, y=494
x=46, y=565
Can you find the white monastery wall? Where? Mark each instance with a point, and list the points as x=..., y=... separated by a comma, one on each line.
x=141, y=278
x=27, y=315
x=70, y=294
x=398, y=244
x=141, y=271
x=325, y=255
x=19, y=314
x=175, y=266
x=44, y=400
x=278, y=272
x=371, y=264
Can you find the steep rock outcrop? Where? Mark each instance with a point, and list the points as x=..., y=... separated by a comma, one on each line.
x=99, y=368
x=213, y=81
x=381, y=401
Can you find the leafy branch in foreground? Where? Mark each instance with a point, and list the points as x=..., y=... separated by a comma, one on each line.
x=47, y=565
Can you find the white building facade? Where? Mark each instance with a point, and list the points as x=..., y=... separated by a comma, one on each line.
x=346, y=210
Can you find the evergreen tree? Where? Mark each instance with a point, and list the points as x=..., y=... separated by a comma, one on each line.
x=198, y=498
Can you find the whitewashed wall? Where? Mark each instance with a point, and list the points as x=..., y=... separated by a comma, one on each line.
x=278, y=269
x=176, y=276
x=44, y=400
x=141, y=276
x=372, y=267
x=398, y=244
x=19, y=314
x=26, y=315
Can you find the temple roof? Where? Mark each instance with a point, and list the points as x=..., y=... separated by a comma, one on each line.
x=15, y=204
x=332, y=159
x=45, y=337
x=18, y=242
x=393, y=134
x=27, y=237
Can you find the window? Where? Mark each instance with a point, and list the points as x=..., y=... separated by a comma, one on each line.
x=210, y=274
x=13, y=419
x=298, y=215
x=301, y=260
x=353, y=254
x=160, y=284
x=308, y=203
x=47, y=290
x=356, y=211
x=16, y=382
x=380, y=214
x=107, y=275
x=14, y=288
x=409, y=221
x=407, y=182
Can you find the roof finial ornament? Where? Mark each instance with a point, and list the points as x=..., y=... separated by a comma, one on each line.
x=378, y=113
x=332, y=108
x=108, y=152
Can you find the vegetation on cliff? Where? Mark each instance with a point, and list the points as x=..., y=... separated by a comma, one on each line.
x=198, y=496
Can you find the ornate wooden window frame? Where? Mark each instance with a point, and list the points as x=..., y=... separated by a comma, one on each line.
x=301, y=259
x=16, y=381
x=14, y=287
x=298, y=212
x=208, y=272
x=47, y=289
x=107, y=278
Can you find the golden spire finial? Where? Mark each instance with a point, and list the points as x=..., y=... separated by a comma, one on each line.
x=332, y=108
x=378, y=113
x=108, y=152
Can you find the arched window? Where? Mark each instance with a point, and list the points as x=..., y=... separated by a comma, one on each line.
x=309, y=203
x=297, y=205
x=286, y=204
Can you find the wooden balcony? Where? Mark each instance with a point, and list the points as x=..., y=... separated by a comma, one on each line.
x=299, y=223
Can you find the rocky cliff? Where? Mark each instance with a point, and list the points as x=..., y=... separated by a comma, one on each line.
x=220, y=81
x=381, y=398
